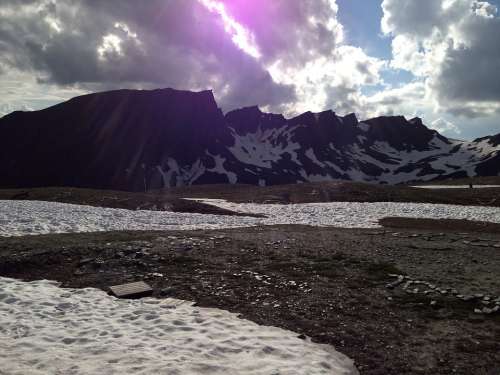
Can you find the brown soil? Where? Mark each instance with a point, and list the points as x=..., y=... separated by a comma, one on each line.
x=452, y=225
x=169, y=199
x=325, y=283
x=340, y=192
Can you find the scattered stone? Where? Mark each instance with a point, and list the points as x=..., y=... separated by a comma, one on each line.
x=156, y=274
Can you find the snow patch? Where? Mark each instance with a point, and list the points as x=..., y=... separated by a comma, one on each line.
x=49, y=330
x=175, y=176
x=311, y=155
x=265, y=147
x=219, y=168
x=364, y=126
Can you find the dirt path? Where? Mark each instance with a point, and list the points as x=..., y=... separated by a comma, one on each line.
x=329, y=284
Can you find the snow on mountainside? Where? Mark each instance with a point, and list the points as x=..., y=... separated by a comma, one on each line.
x=132, y=140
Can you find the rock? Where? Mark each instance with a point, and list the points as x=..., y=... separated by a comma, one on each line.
x=85, y=261
x=168, y=291
x=137, y=289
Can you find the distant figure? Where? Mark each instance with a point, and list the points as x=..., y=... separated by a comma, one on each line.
x=470, y=186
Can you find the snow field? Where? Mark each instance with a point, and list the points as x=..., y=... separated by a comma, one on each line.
x=18, y=218
x=49, y=330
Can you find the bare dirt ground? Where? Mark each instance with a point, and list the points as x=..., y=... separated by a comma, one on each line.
x=337, y=286
x=341, y=191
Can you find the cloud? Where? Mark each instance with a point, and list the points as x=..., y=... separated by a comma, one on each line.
x=100, y=45
x=442, y=125
x=293, y=32
x=282, y=55
x=286, y=56
x=452, y=46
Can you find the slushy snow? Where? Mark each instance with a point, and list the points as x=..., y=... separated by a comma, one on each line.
x=49, y=330
x=18, y=218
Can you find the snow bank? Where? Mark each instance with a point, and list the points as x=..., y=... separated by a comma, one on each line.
x=48, y=330
x=19, y=218
x=357, y=214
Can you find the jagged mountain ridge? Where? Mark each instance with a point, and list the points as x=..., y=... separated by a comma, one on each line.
x=136, y=140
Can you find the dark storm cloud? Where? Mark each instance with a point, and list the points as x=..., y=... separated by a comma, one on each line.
x=470, y=73
x=176, y=43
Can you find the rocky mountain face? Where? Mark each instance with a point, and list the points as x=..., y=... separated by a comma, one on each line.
x=136, y=140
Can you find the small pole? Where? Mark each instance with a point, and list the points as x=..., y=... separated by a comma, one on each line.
x=144, y=177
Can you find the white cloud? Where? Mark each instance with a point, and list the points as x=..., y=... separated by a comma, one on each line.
x=445, y=126
x=452, y=46
x=283, y=55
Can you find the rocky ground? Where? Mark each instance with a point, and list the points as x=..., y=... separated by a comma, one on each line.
x=397, y=301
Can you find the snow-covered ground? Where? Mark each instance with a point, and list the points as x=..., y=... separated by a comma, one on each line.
x=19, y=218
x=49, y=330
x=455, y=186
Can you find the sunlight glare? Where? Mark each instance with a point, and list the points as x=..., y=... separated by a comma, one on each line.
x=241, y=37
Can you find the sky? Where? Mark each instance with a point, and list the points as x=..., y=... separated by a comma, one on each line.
x=436, y=59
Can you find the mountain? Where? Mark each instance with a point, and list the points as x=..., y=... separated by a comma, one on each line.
x=138, y=139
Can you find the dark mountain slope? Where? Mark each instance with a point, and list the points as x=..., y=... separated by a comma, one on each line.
x=132, y=140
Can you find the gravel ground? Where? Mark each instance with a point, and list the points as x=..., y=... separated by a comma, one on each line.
x=337, y=286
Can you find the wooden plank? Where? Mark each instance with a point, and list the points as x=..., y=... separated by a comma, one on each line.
x=138, y=289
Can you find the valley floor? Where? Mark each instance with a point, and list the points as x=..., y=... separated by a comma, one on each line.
x=337, y=286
